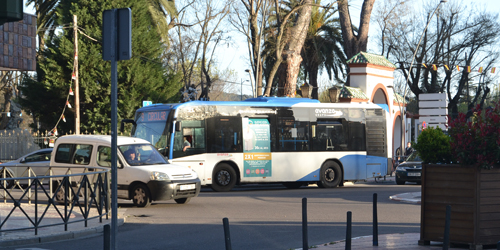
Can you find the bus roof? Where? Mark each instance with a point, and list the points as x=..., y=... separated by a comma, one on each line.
x=262, y=102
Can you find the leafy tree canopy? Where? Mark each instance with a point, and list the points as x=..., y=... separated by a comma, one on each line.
x=143, y=77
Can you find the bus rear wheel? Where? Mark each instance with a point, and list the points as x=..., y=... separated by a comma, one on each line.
x=330, y=175
x=223, y=178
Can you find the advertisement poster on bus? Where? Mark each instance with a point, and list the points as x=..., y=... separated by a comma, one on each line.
x=256, y=148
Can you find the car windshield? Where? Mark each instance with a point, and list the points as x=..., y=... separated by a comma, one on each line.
x=141, y=154
x=414, y=157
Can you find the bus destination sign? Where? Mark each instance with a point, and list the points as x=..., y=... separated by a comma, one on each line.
x=156, y=116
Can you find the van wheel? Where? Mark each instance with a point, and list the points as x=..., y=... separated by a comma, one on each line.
x=141, y=195
x=183, y=200
x=223, y=178
x=60, y=195
x=330, y=175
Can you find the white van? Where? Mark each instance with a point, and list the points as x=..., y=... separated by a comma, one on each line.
x=144, y=178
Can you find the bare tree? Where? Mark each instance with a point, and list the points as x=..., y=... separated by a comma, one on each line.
x=252, y=23
x=458, y=36
x=198, y=32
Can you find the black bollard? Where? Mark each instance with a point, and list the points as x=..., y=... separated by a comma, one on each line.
x=348, y=231
x=305, y=244
x=375, y=221
x=227, y=237
x=107, y=237
x=446, y=238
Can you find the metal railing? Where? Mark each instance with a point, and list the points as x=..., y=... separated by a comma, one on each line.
x=86, y=191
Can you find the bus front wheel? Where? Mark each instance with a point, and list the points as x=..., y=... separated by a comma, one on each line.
x=330, y=175
x=224, y=178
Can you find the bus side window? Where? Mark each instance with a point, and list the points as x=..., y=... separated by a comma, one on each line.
x=225, y=134
x=194, y=132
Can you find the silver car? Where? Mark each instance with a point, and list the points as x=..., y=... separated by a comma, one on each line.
x=37, y=161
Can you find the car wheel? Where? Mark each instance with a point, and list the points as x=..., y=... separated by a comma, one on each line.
x=183, y=200
x=399, y=182
x=223, y=178
x=292, y=185
x=10, y=183
x=141, y=195
x=330, y=175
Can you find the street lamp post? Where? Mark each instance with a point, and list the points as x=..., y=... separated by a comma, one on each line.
x=251, y=81
x=241, y=93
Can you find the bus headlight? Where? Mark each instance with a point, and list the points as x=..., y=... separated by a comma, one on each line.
x=159, y=176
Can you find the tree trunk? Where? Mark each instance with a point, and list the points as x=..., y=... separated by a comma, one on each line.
x=353, y=44
x=289, y=71
x=313, y=80
x=291, y=54
x=7, y=95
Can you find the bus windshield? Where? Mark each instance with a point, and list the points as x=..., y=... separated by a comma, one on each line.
x=153, y=127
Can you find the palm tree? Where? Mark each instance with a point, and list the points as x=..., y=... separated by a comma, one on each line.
x=323, y=46
x=45, y=18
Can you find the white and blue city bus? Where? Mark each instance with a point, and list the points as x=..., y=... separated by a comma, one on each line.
x=293, y=141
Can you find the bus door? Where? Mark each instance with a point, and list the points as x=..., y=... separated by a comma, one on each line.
x=224, y=141
x=257, y=157
x=190, y=147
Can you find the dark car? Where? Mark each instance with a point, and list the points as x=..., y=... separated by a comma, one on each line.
x=410, y=170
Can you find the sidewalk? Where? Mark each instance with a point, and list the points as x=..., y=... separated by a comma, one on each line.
x=77, y=229
x=385, y=241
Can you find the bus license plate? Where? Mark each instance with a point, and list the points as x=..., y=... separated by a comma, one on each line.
x=187, y=187
x=413, y=174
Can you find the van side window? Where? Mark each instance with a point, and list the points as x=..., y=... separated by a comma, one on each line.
x=104, y=156
x=74, y=154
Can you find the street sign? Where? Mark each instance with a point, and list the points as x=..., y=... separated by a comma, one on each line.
x=433, y=110
x=426, y=112
x=117, y=34
x=432, y=104
x=434, y=119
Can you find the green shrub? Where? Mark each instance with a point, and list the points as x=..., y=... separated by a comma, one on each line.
x=433, y=146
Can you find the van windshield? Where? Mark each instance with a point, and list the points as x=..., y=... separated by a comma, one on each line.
x=141, y=154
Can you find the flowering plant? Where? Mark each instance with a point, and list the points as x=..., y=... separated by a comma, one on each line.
x=477, y=141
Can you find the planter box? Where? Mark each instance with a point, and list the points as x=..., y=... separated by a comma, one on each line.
x=474, y=196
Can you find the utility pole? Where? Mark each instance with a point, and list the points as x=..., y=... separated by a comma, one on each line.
x=75, y=70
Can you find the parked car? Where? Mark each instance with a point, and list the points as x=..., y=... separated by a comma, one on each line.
x=38, y=161
x=409, y=170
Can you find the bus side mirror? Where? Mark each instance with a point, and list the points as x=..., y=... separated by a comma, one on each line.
x=122, y=124
x=178, y=126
